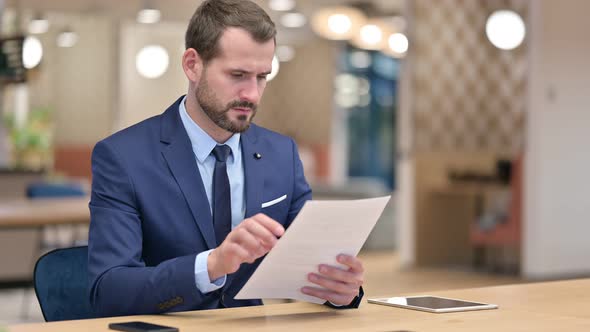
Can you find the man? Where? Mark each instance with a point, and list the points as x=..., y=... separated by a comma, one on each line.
x=185, y=204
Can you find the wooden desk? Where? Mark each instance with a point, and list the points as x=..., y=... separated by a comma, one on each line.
x=21, y=221
x=549, y=306
x=44, y=212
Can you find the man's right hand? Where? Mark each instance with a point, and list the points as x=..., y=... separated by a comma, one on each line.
x=250, y=240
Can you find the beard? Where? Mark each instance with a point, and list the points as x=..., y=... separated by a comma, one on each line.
x=218, y=113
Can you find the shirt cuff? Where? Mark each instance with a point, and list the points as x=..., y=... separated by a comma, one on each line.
x=336, y=305
x=202, y=275
x=354, y=304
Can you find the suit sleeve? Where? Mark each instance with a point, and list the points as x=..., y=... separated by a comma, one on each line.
x=120, y=282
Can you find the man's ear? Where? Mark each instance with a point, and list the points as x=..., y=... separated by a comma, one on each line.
x=192, y=65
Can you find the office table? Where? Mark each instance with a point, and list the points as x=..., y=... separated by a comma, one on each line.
x=21, y=223
x=547, y=306
x=25, y=213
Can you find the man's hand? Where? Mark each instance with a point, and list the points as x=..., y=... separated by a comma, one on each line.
x=252, y=239
x=338, y=286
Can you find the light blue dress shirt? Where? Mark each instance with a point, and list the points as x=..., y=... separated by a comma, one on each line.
x=202, y=145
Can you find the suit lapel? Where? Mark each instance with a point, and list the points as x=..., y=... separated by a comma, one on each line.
x=180, y=158
x=253, y=171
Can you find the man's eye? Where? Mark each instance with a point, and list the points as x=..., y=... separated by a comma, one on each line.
x=237, y=75
x=262, y=78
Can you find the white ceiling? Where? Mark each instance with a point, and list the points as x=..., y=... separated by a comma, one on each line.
x=181, y=10
x=173, y=9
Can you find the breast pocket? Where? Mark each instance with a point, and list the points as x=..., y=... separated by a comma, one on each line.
x=276, y=207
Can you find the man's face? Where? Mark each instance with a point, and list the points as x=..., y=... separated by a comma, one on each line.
x=231, y=84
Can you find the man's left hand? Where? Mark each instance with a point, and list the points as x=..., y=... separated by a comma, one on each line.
x=338, y=286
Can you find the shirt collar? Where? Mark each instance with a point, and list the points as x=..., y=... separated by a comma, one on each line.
x=201, y=142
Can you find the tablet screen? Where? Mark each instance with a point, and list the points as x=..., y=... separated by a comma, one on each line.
x=435, y=302
x=432, y=303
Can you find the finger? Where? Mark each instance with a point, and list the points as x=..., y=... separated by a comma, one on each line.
x=248, y=241
x=272, y=225
x=355, y=264
x=263, y=234
x=327, y=295
x=245, y=255
x=234, y=256
x=345, y=276
x=333, y=285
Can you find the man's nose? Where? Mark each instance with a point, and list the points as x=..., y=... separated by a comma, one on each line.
x=250, y=92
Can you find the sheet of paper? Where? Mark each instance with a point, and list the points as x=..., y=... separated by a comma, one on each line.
x=321, y=231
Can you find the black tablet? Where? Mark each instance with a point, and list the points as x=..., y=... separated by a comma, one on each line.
x=141, y=327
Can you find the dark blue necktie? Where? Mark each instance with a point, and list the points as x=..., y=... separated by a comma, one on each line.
x=221, y=194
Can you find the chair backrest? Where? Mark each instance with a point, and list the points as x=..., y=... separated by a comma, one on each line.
x=61, y=284
x=509, y=232
x=59, y=189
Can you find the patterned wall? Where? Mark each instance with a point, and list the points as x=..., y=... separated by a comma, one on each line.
x=467, y=94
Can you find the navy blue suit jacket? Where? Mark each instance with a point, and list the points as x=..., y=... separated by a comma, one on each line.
x=150, y=215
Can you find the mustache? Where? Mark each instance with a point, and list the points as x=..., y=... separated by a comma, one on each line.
x=241, y=104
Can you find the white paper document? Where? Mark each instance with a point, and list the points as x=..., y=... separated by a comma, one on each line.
x=321, y=231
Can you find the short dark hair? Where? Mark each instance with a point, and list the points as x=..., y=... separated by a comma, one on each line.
x=214, y=16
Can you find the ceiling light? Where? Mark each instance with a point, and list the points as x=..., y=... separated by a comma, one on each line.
x=38, y=25
x=293, y=20
x=148, y=16
x=398, y=44
x=372, y=35
x=337, y=23
x=152, y=61
x=285, y=53
x=67, y=38
x=505, y=29
x=148, y=13
x=281, y=5
x=32, y=52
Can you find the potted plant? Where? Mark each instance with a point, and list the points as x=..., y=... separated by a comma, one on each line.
x=31, y=139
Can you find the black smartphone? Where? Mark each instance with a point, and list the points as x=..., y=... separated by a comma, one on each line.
x=141, y=327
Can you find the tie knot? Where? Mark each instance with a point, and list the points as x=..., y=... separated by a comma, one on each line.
x=221, y=152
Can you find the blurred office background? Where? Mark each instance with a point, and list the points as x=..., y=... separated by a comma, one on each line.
x=472, y=114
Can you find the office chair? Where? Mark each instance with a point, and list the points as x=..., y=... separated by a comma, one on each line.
x=49, y=236
x=61, y=284
x=49, y=189
x=506, y=235
x=44, y=189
